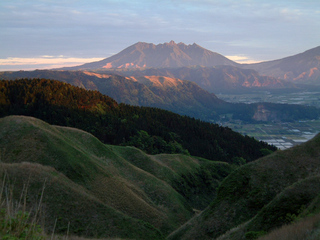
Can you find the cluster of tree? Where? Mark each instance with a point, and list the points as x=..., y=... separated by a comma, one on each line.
x=152, y=129
x=155, y=144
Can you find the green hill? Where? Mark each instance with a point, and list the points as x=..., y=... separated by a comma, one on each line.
x=261, y=196
x=101, y=190
x=150, y=129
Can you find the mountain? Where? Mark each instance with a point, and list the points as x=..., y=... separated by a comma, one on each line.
x=180, y=96
x=261, y=196
x=93, y=189
x=300, y=68
x=146, y=55
x=223, y=74
x=218, y=79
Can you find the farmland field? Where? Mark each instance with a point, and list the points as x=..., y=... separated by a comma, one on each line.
x=285, y=134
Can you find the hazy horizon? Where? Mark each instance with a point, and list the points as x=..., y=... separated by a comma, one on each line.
x=40, y=34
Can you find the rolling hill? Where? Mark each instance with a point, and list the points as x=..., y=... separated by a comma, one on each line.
x=101, y=190
x=151, y=129
x=261, y=196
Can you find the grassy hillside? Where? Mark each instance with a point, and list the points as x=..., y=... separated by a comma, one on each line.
x=260, y=196
x=65, y=203
x=152, y=130
x=307, y=228
x=196, y=179
x=102, y=190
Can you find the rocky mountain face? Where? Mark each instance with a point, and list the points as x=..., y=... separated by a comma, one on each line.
x=216, y=79
x=146, y=55
x=300, y=68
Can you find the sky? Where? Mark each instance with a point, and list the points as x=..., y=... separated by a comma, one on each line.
x=38, y=34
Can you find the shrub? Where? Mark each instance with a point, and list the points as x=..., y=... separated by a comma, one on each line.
x=254, y=235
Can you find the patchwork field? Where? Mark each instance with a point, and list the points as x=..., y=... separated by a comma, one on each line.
x=282, y=135
x=308, y=98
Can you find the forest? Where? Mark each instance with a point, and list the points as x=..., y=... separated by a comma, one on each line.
x=151, y=129
x=187, y=98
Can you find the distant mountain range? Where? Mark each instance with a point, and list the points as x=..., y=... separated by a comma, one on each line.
x=300, y=68
x=219, y=79
x=210, y=69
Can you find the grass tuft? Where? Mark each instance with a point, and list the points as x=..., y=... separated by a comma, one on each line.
x=308, y=229
x=15, y=221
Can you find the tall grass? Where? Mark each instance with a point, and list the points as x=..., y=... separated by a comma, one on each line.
x=15, y=221
x=20, y=222
x=306, y=229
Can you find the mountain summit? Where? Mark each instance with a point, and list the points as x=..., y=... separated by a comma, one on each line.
x=172, y=55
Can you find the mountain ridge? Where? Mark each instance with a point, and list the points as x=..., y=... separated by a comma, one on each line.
x=145, y=55
x=302, y=68
x=299, y=68
x=216, y=79
x=147, y=88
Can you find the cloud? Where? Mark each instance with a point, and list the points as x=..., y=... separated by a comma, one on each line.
x=79, y=28
x=43, y=62
x=242, y=59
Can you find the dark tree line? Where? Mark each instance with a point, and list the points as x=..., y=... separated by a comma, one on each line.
x=151, y=129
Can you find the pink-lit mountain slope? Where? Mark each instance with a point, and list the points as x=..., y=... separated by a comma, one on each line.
x=300, y=68
x=146, y=55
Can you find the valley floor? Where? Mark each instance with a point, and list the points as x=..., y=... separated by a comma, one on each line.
x=282, y=135
x=308, y=98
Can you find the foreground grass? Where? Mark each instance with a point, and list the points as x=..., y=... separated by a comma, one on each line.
x=308, y=229
x=20, y=222
x=15, y=221
x=261, y=196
